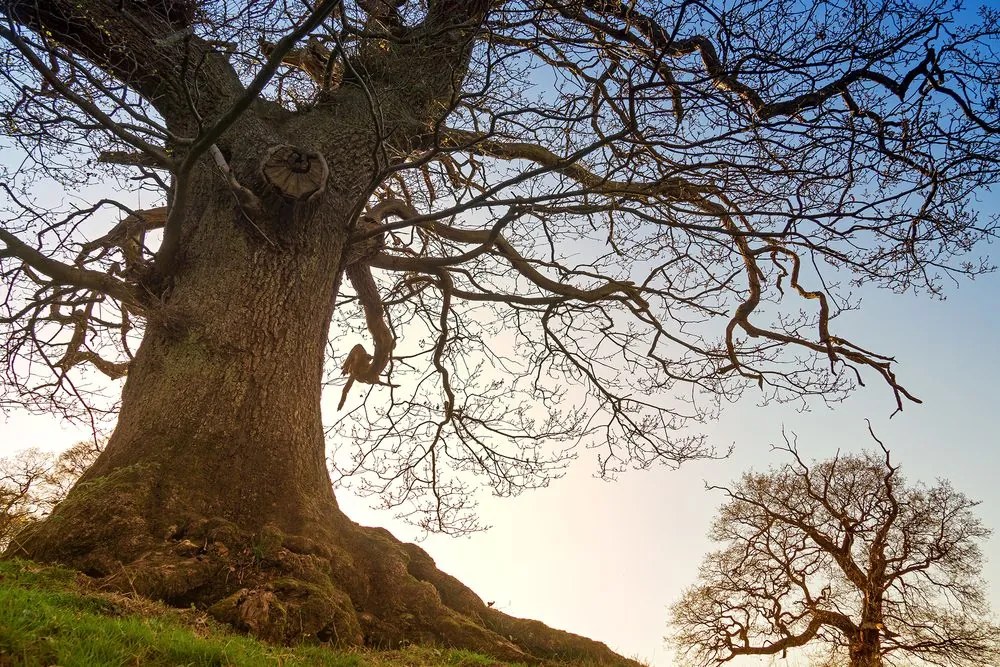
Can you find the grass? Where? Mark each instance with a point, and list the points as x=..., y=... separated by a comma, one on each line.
x=48, y=617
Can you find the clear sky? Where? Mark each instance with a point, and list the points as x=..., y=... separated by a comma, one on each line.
x=606, y=559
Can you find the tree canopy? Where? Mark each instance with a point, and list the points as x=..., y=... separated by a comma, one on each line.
x=599, y=219
x=843, y=559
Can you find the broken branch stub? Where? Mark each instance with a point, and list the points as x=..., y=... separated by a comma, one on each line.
x=295, y=173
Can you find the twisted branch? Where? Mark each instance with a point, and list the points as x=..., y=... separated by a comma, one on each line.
x=359, y=365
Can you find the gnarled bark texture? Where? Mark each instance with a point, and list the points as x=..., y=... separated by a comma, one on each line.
x=865, y=650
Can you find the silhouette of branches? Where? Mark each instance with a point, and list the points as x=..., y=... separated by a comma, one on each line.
x=621, y=215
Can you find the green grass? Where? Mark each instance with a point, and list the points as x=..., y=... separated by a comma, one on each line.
x=48, y=617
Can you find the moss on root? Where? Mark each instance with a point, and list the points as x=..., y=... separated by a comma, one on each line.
x=70, y=534
x=346, y=585
x=51, y=615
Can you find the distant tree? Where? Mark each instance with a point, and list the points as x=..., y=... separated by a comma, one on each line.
x=33, y=482
x=20, y=478
x=842, y=556
x=497, y=231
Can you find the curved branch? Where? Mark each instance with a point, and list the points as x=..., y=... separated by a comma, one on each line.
x=673, y=187
x=135, y=224
x=155, y=153
x=820, y=617
x=66, y=274
x=662, y=42
x=76, y=350
x=489, y=238
x=364, y=285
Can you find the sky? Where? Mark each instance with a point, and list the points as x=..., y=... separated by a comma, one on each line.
x=606, y=559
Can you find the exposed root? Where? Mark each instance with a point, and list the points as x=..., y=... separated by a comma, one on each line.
x=353, y=586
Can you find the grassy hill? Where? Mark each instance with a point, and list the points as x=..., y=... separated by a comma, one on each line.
x=50, y=616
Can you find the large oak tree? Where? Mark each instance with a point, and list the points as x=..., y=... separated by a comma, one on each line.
x=502, y=229
x=844, y=557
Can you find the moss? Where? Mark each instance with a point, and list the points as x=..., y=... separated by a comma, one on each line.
x=319, y=611
x=97, y=546
x=47, y=617
x=267, y=543
x=50, y=615
x=376, y=591
x=257, y=611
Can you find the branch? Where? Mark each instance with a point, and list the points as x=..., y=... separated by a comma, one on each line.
x=662, y=42
x=66, y=274
x=263, y=77
x=841, y=555
x=136, y=223
x=155, y=153
x=76, y=350
x=673, y=187
x=313, y=59
x=127, y=159
x=132, y=56
x=246, y=198
x=820, y=618
x=487, y=239
x=703, y=198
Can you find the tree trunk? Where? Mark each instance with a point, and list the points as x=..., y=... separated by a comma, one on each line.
x=213, y=489
x=866, y=650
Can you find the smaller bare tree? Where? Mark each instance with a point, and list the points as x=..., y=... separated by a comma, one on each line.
x=32, y=482
x=845, y=557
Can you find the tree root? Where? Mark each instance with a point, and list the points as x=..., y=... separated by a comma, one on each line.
x=349, y=586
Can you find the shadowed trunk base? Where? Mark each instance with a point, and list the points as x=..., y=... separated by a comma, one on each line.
x=346, y=585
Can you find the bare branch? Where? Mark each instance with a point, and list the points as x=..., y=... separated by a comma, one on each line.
x=68, y=275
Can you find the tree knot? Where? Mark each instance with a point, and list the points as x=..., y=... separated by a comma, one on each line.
x=294, y=172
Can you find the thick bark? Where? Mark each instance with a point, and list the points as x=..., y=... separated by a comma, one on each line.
x=865, y=651
x=213, y=489
x=219, y=433
x=865, y=643
x=865, y=647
